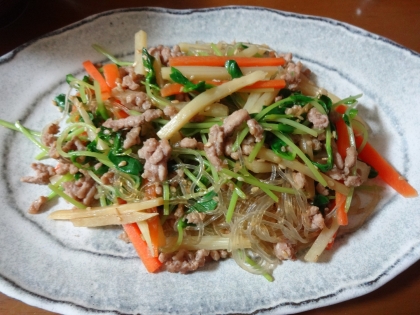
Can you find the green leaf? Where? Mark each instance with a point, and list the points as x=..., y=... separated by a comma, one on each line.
x=205, y=203
x=178, y=77
x=326, y=103
x=321, y=202
x=60, y=101
x=121, y=161
x=233, y=69
x=125, y=163
x=280, y=148
x=148, y=61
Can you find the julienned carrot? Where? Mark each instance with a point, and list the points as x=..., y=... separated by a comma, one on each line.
x=155, y=228
x=219, y=61
x=385, y=170
x=120, y=114
x=111, y=74
x=176, y=88
x=343, y=141
x=275, y=84
x=96, y=75
x=171, y=89
x=151, y=263
x=340, y=201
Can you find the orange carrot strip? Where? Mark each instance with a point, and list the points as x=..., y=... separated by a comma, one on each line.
x=340, y=201
x=385, y=170
x=343, y=141
x=219, y=61
x=171, y=89
x=275, y=84
x=111, y=74
x=96, y=75
x=154, y=223
x=120, y=114
x=151, y=263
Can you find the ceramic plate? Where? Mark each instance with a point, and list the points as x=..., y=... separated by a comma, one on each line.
x=83, y=271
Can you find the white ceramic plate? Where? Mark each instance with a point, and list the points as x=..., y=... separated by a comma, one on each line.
x=82, y=271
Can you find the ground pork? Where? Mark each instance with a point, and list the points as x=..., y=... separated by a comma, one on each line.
x=299, y=180
x=83, y=189
x=350, y=160
x=234, y=120
x=136, y=100
x=48, y=136
x=284, y=251
x=341, y=169
x=64, y=168
x=35, y=207
x=214, y=146
x=164, y=53
x=322, y=190
x=320, y=121
x=130, y=79
x=132, y=138
x=184, y=261
x=353, y=181
x=255, y=129
x=216, y=255
x=74, y=145
x=188, y=143
x=292, y=74
x=133, y=121
x=107, y=178
x=156, y=155
x=42, y=175
x=316, y=218
x=170, y=111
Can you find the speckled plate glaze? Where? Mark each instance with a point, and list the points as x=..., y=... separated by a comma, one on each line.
x=83, y=271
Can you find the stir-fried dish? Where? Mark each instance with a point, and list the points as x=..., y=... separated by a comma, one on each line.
x=205, y=151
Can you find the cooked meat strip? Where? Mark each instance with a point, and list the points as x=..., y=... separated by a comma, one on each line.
x=285, y=251
x=132, y=138
x=184, y=261
x=83, y=189
x=165, y=52
x=299, y=180
x=48, y=136
x=133, y=121
x=42, y=175
x=255, y=129
x=156, y=155
x=234, y=120
x=37, y=204
x=188, y=143
x=320, y=121
x=317, y=220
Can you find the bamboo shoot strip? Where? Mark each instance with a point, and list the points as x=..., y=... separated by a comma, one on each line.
x=140, y=42
x=102, y=211
x=205, y=99
x=115, y=219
